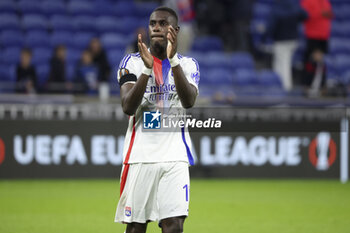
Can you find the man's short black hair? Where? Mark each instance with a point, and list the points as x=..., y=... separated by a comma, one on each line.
x=169, y=10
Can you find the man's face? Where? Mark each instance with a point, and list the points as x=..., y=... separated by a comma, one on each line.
x=158, y=28
x=25, y=59
x=95, y=45
x=61, y=53
x=317, y=55
x=86, y=58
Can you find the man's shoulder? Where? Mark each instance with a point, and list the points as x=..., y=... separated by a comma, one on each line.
x=133, y=56
x=187, y=60
x=130, y=59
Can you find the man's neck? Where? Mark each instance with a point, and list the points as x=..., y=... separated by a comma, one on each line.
x=158, y=53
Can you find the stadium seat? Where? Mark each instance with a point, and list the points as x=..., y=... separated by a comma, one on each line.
x=219, y=76
x=205, y=90
x=61, y=23
x=346, y=10
x=244, y=78
x=42, y=72
x=266, y=1
x=113, y=84
x=128, y=25
x=11, y=55
x=85, y=23
x=30, y=7
x=82, y=8
x=336, y=29
x=8, y=6
x=143, y=22
x=242, y=60
x=337, y=10
x=219, y=60
x=34, y=22
x=346, y=29
x=9, y=21
x=70, y=71
x=11, y=38
x=341, y=12
x=113, y=41
x=207, y=43
x=73, y=56
x=4, y=73
x=62, y=38
x=37, y=39
x=339, y=1
x=209, y=60
x=108, y=24
x=104, y=8
x=53, y=8
x=42, y=55
x=332, y=71
x=144, y=9
x=339, y=45
x=346, y=78
x=269, y=78
x=7, y=79
x=114, y=57
x=125, y=8
x=105, y=24
x=196, y=55
x=261, y=11
x=82, y=39
x=342, y=62
x=341, y=30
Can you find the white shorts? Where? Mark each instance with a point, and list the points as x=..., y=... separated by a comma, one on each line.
x=154, y=191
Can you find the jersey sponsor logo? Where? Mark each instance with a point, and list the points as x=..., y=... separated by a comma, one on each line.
x=161, y=96
x=163, y=88
x=152, y=120
x=322, y=151
x=127, y=211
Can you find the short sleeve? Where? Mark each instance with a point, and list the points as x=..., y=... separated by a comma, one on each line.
x=126, y=71
x=191, y=70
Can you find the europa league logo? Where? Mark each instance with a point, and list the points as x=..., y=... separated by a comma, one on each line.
x=322, y=151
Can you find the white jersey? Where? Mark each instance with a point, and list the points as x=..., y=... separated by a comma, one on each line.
x=155, y=145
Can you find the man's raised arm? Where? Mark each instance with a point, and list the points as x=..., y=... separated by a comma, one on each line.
x=186, y=91
x=132, y=93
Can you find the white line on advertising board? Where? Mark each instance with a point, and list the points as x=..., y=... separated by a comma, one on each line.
x=344, y=139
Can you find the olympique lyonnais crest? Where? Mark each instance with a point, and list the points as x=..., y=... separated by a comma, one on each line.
x=322, y=151
x=127, y=211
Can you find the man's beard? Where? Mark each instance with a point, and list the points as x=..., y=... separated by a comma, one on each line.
x=158, y=47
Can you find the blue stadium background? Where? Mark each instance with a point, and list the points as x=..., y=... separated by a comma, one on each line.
x=43, y=24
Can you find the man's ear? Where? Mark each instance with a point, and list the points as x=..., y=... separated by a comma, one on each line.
x=177, y=29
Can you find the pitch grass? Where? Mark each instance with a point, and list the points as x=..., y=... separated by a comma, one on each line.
x=217, y=206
